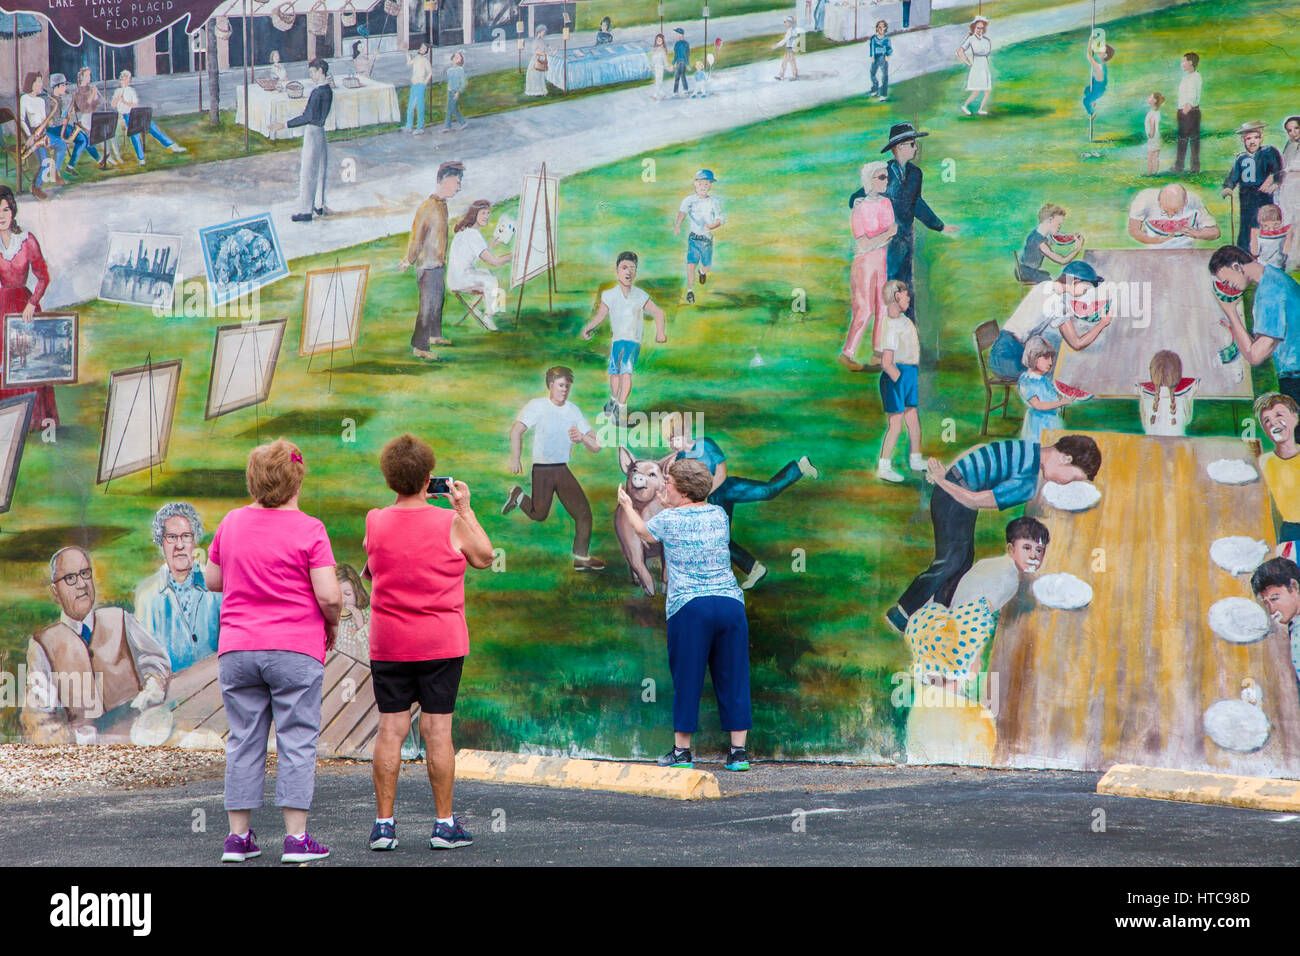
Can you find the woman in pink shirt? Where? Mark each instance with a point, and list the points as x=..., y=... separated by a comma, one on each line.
x=279, y=615
x=873, y=226
x=416, y=555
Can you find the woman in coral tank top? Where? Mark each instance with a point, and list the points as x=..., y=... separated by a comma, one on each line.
x=416, y=555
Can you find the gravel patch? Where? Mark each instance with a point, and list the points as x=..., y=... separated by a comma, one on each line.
x=28, y=770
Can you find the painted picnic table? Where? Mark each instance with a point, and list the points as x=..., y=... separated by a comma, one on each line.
x=1128, y=678
x=349, y=715
x=1185, y=318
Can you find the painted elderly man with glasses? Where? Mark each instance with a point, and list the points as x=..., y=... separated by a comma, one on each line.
x=173, y=603
x=88, y=663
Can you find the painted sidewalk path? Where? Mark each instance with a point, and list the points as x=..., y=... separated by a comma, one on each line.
x=389, y=175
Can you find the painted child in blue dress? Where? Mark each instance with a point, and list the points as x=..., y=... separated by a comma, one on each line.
x=1038, y=390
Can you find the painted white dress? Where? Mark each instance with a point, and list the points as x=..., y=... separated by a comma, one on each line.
x=980, y=77
x=1288, y=194
x=659, y=62
x=535, y=79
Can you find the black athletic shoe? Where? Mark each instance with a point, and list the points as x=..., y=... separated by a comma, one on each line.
x=301, y=217
x=738, y=759
x=690, y=298
x=677, y=757
x=897, y=619
x=702, y=276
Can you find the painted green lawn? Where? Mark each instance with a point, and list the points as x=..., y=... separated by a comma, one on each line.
x=559, y=659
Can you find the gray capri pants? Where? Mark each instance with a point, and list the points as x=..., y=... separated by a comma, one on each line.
x=257, y=686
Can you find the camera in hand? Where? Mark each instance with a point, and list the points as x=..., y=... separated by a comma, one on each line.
x=440, y=486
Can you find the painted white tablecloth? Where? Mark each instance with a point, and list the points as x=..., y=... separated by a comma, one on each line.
x=599, y=65
x=839, y=21
x=373, y=102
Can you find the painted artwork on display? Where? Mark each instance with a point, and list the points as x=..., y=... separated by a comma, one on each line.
x=141, y=269
x=241, y=257
x=332, y=305
x=138, y=418
x=15, y=419
x=1027, y=514
x=243, y=364
x=41, y=350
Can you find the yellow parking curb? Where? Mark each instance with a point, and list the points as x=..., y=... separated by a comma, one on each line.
x=1189, y=786
x=643, y=780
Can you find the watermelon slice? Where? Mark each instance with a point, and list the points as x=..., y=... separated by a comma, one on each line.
x=1184, y=385
x=1167, y=227
x=1226, y=293
x=1274, y=232
x=1087, y=308
x=1069, y=391
x=1064, y=239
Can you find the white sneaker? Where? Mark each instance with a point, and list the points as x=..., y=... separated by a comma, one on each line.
x=485, y=320
x=756, y=574
x=807, y=468
x=178, y=148
x=916, y=462
x=885, y=472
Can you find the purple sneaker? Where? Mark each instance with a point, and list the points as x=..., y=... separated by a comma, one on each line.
x=302, y=851
x=239, y=849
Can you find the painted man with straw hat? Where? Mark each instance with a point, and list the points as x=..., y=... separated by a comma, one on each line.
x=1255, y=174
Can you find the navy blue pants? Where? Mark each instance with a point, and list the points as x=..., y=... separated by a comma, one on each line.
x=712, y=632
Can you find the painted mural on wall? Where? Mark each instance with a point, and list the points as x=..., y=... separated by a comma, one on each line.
x=1029, y=513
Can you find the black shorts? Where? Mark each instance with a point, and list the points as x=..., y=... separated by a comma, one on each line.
x=431, y=684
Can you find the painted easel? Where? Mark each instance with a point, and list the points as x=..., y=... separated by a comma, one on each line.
x=335, y=283
x=549, y=225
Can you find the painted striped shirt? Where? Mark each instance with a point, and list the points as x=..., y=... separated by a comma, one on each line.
x=1007, y=468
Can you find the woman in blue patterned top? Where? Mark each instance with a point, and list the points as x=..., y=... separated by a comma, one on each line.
x=705, y=609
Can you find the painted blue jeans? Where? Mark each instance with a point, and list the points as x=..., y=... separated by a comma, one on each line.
x=137, y=141
x=453, y=109
x=415, y=106
x=734, y=491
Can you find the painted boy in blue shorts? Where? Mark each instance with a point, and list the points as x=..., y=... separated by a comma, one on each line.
x=705, y=215
x=899, y=380
x=624, y=304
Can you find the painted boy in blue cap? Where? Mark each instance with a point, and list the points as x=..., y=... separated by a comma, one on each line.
x=704, y=213
x=1074, y=294
x=904, y=191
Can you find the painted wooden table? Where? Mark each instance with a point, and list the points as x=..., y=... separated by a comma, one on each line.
x=349, y=714
x=1184, y=317
x=1128, y=678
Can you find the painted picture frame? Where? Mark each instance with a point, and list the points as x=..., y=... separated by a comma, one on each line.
x=243, y=364
x=138, y=416
x=140, y=269
x=241, y=256
x=15, y=419
x=332, y=303
x=42, y=350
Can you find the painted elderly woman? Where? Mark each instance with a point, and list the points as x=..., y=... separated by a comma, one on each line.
x=872, y=220
x=174, y=604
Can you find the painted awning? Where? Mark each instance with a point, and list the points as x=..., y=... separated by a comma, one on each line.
x=28, y=25
x=264, y=8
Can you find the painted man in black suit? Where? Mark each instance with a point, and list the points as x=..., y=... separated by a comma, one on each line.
x=904, y=192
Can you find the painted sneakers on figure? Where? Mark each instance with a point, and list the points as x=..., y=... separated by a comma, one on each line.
x=807, y=468
x=446, y=837
x=885, y=471
x=302, y=849
x=677, y=757
x=383, y=836
x=238, y=849
x=512, y=500
x=916, y=462
x=756, y=574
